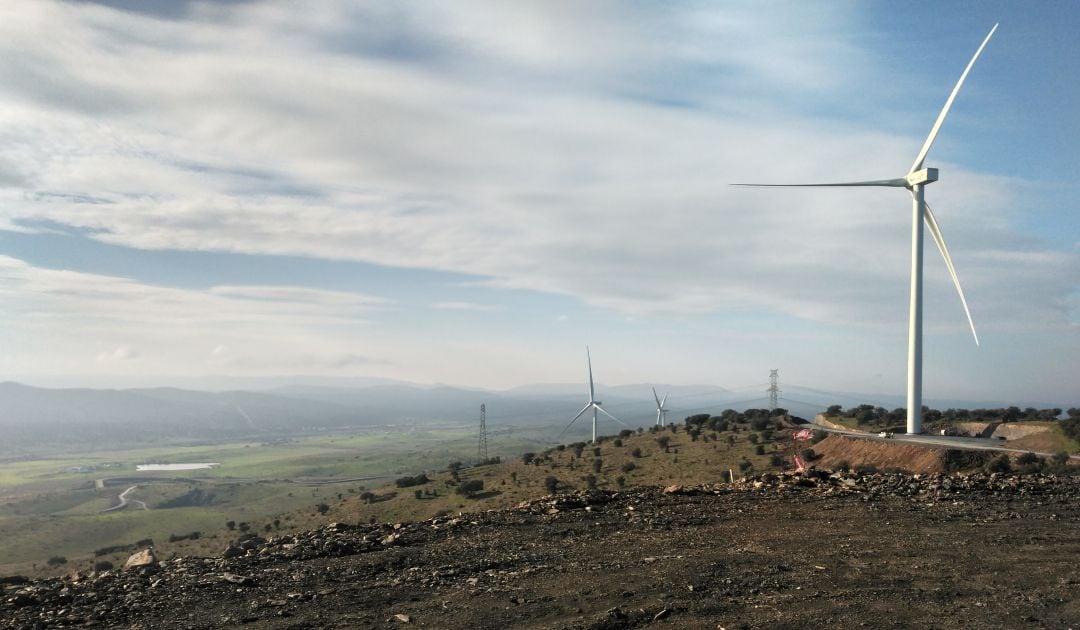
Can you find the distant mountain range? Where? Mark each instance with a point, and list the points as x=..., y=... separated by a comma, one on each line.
x=33, y=417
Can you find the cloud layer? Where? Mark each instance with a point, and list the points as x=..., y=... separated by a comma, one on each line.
x=567, y=148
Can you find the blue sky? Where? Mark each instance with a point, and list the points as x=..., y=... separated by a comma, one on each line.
x=470, y=192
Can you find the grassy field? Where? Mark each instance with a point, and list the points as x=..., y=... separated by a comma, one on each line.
x=47, y=511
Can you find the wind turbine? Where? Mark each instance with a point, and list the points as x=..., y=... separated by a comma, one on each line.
x=661, y=413
x=915, y=181
x=593, y=403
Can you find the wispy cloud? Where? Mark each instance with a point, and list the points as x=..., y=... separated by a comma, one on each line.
x=465, y=306
x=575, y=149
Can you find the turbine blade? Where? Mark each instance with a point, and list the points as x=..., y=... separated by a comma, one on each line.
x=892, y=183
x=935, y=231
x=583, y=410
x=601, y=410
x=919, y=159
x=663, y=402
x=592, y=390
x=656, y=397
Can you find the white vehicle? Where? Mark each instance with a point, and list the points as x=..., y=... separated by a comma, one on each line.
x=885, y=434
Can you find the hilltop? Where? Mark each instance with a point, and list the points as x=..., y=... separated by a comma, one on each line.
x=810, y=550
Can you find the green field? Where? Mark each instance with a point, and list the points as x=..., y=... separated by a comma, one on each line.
x=48, y=511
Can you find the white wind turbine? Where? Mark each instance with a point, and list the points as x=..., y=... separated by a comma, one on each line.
x=593, y=404
x=915, y=181
x=661, y=413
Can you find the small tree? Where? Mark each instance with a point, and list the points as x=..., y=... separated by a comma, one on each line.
x=590, y=482
x=597, y=464
x=322, y=508
x=231, y=525
x=551, y=484
x=471, y=487
x=596, y=451
x=628, y=466
x=759, y=449
x=527, y=458
x=620, y=481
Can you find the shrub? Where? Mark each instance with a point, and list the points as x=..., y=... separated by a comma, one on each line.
x=103, y=565
x=1027, y=459
x=527, y=458
x=620, y=481
x=759, y=449
x=628, y=466
x=407, y=482
x=999, y=464
x=596, y=451
x=745, y=465
x=777, y=460
x=597, y=464
x=617, y=443
x=590, y=482
x=551, y=484
x=636, y=452
x=322, y=508
x=752, y=438
x=56, y=561
x=471, y=487
x=843, y=464
x=1060, y=458
x=664, y=440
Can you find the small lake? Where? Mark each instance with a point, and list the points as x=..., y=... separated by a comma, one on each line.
x=175, y=466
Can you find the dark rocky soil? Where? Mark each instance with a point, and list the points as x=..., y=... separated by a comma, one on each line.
x=814, y=550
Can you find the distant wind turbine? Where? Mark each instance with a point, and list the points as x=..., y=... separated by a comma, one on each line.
x=661, y=413
x=915, y=181
x=593, y=403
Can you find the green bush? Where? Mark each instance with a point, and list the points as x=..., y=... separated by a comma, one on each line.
x=999, y=464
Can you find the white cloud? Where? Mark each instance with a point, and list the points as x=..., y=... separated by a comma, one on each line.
x=465, y=306
x=576, y=149
x=121, y=353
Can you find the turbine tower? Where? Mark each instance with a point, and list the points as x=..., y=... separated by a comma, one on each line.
x=918, y=176
x=661, y=413
x=593, y=403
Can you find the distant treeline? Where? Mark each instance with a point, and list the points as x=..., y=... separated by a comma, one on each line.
x=869, y=414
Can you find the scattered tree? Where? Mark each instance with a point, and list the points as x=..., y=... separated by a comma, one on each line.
x=471, y=487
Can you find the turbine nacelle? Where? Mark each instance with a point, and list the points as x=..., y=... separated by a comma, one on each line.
x=921, y=177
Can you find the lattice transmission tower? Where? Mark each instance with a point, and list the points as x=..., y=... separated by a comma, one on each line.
x=774, y=389
x=481, y=451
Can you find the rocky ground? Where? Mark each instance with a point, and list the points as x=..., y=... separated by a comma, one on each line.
x=811, y=550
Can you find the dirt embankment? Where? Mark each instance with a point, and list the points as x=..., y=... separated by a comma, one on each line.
x=836, y=449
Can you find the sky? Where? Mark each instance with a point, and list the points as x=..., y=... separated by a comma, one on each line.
x=470, y=192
